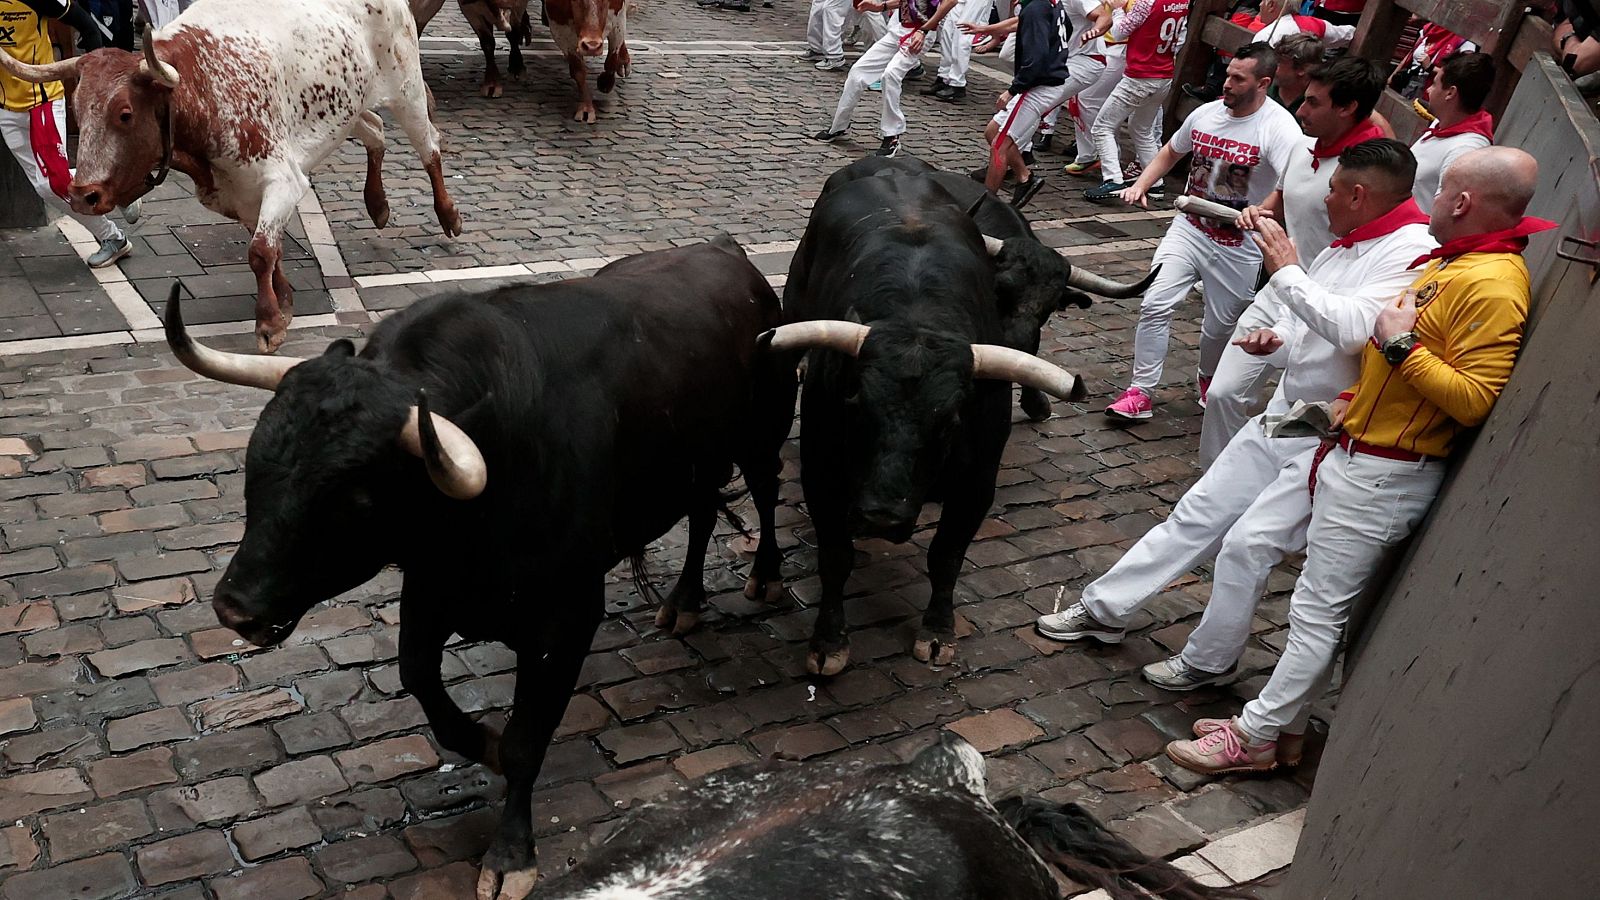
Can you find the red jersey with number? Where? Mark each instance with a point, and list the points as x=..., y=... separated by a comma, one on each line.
x=1154, y=46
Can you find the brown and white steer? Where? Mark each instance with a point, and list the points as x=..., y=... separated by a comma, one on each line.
x=246, y=98
x=582, y=28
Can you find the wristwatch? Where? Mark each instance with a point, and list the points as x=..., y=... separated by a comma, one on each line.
x=1562, y=44
x=1396, y=349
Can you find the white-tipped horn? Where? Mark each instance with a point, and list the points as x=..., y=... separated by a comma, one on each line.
x=993, y=245
x=152, y=64
x=1006, y=364
x=834, y=334
x=44, y=74
x=233, y=368
x=454, y=462
x=1105, y=287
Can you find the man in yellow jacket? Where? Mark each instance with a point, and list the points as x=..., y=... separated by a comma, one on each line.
x=33, y=117
x=1438, y=359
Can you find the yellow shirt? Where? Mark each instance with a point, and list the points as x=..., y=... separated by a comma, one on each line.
x=1472, y=309
x=25, y=35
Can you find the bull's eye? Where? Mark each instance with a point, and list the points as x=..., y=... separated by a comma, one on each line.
x=126, y=118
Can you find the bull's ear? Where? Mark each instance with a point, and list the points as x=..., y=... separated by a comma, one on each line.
x=972, y=211
x=341, y=347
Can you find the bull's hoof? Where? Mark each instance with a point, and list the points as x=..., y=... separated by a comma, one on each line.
x=379, y=214
x=606, y=82
x=270, y=335
x=829, y=664
x=1035, y=405
x=937, y=650
x=585, y=114
x=679, y=621
x=515, y=70
x=449, y=220
x=515, y=884
x=491, y=90
x=756, y=590
x=665, y=616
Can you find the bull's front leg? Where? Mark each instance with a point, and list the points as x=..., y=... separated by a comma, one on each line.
x=518, y=36
x=545, y=680
x=282, y=189
x=959, y=520
x=762, y=465
x=580, y=76
x=422, y=641
x=491, y=72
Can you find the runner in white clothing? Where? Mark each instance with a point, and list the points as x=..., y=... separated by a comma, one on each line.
x=888, y=60
x=955, y=51
x=1242, y=144
x=1252, y=506
x=1335, y=113
x=1455, y=97
x=1153, y=32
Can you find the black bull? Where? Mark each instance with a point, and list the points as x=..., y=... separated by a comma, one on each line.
x=925, y=317
x=576, y=422
x=849, y=831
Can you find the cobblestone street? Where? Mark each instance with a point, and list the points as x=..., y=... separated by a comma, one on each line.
x=150, y=752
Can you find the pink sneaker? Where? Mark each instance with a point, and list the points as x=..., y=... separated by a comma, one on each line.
x=1290, y=746
x=1133, y=404
x=1205, y=388
x=1224, y=750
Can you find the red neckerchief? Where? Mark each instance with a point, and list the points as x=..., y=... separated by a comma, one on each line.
x=1510, y=240
x=1440, y=42
x=1407, y=213
x=1366, y=131
x=1479, y=122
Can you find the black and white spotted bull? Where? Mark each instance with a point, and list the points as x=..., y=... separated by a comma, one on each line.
x=916, y=322
x=923, y=830
x=506, y=450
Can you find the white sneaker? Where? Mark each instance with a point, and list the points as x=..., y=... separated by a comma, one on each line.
x=110, y=251
x=1075, y=623
x=830, y=65
x=1176, y=675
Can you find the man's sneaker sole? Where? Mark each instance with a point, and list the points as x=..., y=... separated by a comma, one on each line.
x=1218, y=679
x=1101, y=636
x=1291, y=747
x=1131, y=417
x=1231, y=770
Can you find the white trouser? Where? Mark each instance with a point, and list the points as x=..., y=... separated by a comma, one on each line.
x=1186, y=256
x=1033, y=105
x=876, y=24
x=1091, y=101
x=1140, y=102
x=955, y=46
x=1248, y=511
x=1239, y=385
x=825, y=27
x=17, y=130
x=884, y=61
x=1364, y=506
x=1008, y=49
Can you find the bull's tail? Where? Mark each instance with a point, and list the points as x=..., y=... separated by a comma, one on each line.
x=1070, y=839
x=725, y=502
x=641, y=579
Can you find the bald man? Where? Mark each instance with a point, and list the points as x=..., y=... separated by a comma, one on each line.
x=1439, y=356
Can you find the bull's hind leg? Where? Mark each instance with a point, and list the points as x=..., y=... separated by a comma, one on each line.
x=762, y=466
x=369, y=131
x=618, y=63
x=412, y=111
x=547, y=672
x=681, y=608
x=491, y=72
x=520, y=35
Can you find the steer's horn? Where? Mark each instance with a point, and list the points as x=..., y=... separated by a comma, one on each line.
x=1006, y=364
x=834, y=334
x=993, y=245
x=66, y=68
x=233, y=368
x=453, y=460
x=1105, y=287
x=152, y=65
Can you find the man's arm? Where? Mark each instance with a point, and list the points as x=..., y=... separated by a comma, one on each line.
x=74, y=14
x=1166, y=158
x=1485, y=330
x=1270, y=208
x=1138, y=13
x=1344, y=314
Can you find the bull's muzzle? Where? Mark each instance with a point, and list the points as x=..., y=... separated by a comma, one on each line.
x=90, y=199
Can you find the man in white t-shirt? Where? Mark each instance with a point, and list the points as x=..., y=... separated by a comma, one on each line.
x=1335, y=113
x=1456, y=95
x=1241, y=146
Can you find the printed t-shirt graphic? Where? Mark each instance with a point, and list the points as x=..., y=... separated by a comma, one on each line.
x=1235, y=161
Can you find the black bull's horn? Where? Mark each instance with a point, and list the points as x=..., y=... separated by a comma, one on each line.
x=1085, y=281
x=988, y=360
x=454, y=462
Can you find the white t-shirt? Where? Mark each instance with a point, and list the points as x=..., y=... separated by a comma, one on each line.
x=1436, y=155
x=1074, y=19
x=1237, y=160
x=1305, y=216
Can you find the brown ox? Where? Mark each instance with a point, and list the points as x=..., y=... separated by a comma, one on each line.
x=581, y=29
x=247, y=98
x=509, y=16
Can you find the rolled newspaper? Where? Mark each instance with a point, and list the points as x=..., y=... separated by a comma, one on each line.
x=1197, y=206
